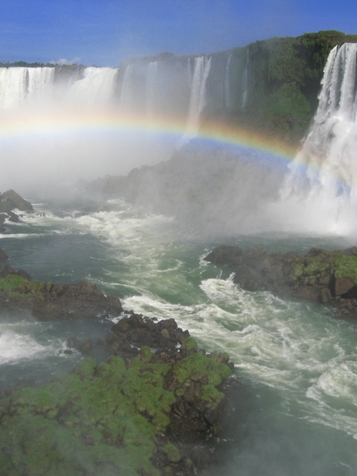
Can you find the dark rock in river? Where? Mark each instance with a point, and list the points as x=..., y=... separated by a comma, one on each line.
x=9, y=201
x=50, y=301
x=154, y=414
x=328, y=277
x=3, y=255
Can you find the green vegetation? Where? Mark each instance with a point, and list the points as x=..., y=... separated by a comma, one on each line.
x=346, y=267
x=284, y=79
x=100, y=419
x=15, y=286
x=324, y=264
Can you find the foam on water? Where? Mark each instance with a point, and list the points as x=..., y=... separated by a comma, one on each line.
x=289, y=346
x=14, y=346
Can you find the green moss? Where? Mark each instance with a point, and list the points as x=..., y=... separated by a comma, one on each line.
x=99, y=419
x=190, y=344
x=312, y=267
x=201, y=368
x=346, y=266
x=85, y=369
x=172, y=453
x=16, y=286
x=339, y=264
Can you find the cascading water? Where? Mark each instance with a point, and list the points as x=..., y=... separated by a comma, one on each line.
x=227, y=84
x=20, y=84
x=198, y=94
x=299, y=361
x=125, y=101
x=245, y=82
x=151, y=89
x=96, y=87
x=321, y=185
x=40, y=84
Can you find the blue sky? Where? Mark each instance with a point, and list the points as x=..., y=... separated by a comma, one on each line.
x=103, y=32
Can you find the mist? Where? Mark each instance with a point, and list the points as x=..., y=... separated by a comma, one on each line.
x=57, y=131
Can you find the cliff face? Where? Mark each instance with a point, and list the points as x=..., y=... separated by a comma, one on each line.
x=271, y=86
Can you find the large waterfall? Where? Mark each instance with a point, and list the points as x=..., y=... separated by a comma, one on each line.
x=321, y=187
x=19, y=85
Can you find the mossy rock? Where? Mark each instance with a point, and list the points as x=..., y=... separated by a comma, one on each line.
x=15, y=286
x=100, y=419
x=172, y=453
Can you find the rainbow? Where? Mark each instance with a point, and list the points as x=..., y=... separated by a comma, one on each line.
x=25, y=125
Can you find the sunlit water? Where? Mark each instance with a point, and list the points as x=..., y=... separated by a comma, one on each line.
x=299, y=361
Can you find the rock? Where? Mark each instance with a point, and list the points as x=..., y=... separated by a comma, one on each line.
x=135, y=331
x=142, y=413
x=75, y=301
x=2, y=221
x=320, y=275
x=343, y=286
x=10, y=200
x=3, y=256
x=50, y=301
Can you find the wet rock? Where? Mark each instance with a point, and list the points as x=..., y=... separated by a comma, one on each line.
x=321, y=275
x=51, y=301
x=3, y=255
x=136, y=331
x=10, y=200
x=343, y=286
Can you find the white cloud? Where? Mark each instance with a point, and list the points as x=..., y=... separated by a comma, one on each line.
x=62, y=61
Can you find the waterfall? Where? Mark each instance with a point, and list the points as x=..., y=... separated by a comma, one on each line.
x=20, y=84
x=323, y=177
x=198, y=92
x=245, y=82
x=227, y=84
x=96, y=87
x=329, y=150
x=126, y=89
x=152, y=88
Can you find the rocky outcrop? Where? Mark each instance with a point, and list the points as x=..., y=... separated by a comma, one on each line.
x=9, y=201
x=328, y=277
x=3, y=254
x=208, y=188
x=153, y=412
x=50, y=301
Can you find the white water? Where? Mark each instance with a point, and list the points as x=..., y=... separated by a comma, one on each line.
x=319, y=195
x=152, y=89
x=20, y=84
x=245, y=83
x=298, y=359
x=198, y=93
x=227, y=83
x=125, y=102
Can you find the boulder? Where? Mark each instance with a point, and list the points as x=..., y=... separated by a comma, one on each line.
x=51, y=301
x=10, y=200
x=3, y=256
x=320, y=275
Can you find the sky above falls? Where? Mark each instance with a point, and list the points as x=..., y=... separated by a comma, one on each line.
x=103, y=32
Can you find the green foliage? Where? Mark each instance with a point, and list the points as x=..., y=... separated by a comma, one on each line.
x=285, y=110
x=284, y=79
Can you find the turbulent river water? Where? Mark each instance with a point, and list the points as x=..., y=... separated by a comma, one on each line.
x=297, y=359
